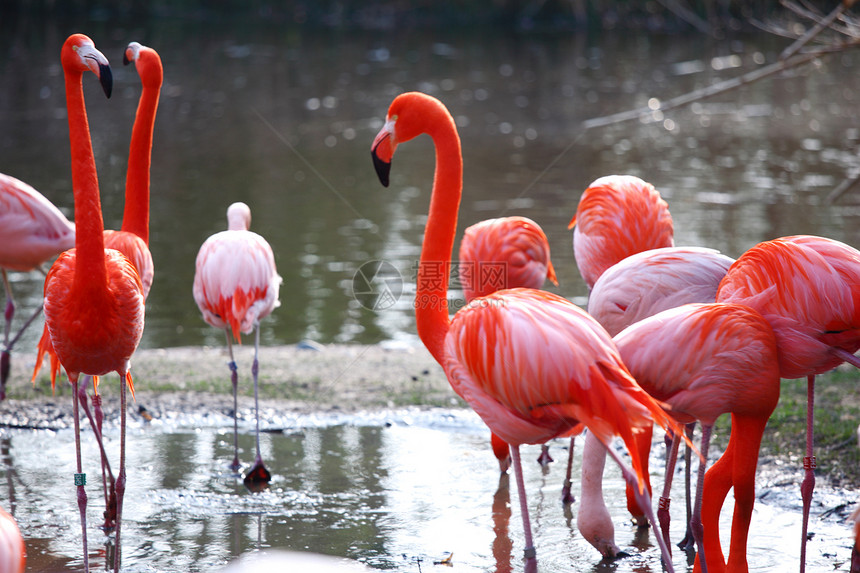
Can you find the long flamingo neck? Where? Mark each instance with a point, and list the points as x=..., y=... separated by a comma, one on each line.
x=431, y=301
x=89, y=226
x=135, y=218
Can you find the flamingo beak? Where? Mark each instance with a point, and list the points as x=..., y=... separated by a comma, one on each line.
x=382, y=151
x=106, y=79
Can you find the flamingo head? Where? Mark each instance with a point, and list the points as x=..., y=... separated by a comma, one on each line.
x=238, y=217
x=409, y=115
x=80, y=55
x=148, y=64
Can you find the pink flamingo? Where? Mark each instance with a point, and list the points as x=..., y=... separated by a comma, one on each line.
x=705, y=360
x=32, y=231
x=635, y=288
x=13, y=553
x=495, y=254
x=618, y=216
x=236, y=286
x=531, y=364
x=808, y=288
x=93, y=296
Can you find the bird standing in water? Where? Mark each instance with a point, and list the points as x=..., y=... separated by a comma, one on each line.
x=530, y=363
x=94, y=304
x=495, y=254
x=236, y=286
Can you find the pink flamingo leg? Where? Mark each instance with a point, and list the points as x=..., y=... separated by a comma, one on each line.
x=645, y=503
x=529, y=552
x=80, y=477
x=696, y=521
x=234, y=379
x=258, y=477
x=120, y=481
x=808, y=483
x=567, y=497
x=688, y=543
x=663, y=507
x=108, y=482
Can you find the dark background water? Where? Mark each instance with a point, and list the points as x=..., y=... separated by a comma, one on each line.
x=282, y=116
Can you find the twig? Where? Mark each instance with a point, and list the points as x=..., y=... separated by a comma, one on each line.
x=718, y=88
x=812, y=32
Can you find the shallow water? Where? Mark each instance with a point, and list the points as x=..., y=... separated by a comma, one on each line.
x=396, y=490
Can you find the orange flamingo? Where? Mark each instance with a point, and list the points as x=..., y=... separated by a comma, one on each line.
x=501, y=253
x=93, y=296
x=705, y=360
x=635, y=288
x=32, y=231
x=132, y=239
x=808, y=288
x=235, y=286
x=618, y=216
x=531, y=364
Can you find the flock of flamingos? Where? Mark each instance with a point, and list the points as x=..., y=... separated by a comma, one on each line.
x=672, y=335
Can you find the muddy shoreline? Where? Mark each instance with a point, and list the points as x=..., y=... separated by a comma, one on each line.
x=297, y=378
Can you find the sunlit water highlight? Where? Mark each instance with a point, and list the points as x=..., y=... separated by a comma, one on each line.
x=395, y=490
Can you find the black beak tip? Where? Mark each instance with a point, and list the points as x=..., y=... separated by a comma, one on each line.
x=125, y=60
x=106, y=79
x=383, y=169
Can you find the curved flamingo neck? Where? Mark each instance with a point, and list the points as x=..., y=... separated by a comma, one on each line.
x=135, y=217
x=431, y=301
x=89, y=225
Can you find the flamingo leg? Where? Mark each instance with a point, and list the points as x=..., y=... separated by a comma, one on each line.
x=80, y=477
x=663, y=507
x=688, y=543
x=696, y=522
x=645, y=503
x=259, y=477
x=108, y=482
x=6, y=352
x=234, y=379
x=808, y=483
x=567, y=497
x=529, y=552
x=120, y=482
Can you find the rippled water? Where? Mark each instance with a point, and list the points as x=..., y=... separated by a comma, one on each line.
x=396, y=490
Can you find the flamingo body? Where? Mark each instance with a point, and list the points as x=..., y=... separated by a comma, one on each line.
x=236, y=283
x=705, y=360
x=32, y=229
x=518, y=244
x=651, y=281
x=530, y=363
x=13, y=553
x=618, y=216
x=808, y=288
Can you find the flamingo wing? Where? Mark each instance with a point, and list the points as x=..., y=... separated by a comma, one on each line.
x=804, y=297
x=137, y=251
x=534, y=366
x=501, y=253
x=617, y=216
x=651, y=281
x=236, y=282
x=32, y=229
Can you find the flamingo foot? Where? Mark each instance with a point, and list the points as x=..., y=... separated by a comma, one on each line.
x=258, y=477
x=567, y=497
x=544, y=459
